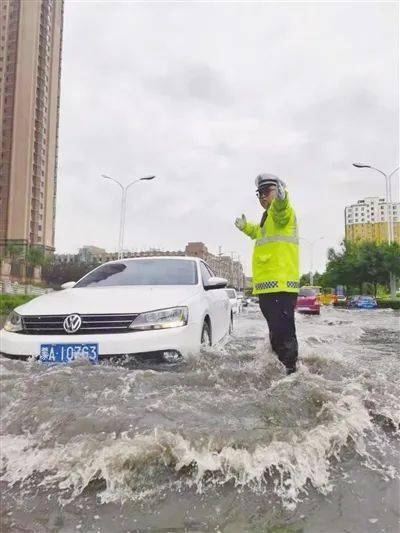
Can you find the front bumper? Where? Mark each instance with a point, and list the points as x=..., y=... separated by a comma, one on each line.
x=185, y=340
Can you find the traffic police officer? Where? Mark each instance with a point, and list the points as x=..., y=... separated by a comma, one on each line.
x=276, y=265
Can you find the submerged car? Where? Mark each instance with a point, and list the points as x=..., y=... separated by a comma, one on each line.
x=149, y=307
x=363, y=302
x=308, y=301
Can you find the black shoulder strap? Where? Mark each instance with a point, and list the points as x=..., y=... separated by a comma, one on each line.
x=264, y=218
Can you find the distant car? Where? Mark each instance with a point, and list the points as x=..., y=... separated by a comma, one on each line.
x=156, y=308
x=340, y=299
x=233, y=298
x=308, y=301
x=363, y=302
x=240, y=300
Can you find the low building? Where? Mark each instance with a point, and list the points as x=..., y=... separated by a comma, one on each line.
x=91, y=254
x=223, y=265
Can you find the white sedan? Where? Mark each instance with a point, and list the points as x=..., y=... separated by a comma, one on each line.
x=159, y=307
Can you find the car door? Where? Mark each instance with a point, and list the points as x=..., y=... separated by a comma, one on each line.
x=218, y=304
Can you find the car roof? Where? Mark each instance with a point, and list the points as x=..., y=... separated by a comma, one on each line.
x=156, y=257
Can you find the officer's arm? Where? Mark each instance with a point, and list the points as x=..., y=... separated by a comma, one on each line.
x=251, y=230
x=281, y=210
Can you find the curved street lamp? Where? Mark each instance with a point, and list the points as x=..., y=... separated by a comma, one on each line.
x=390, y=226
x=124, y=191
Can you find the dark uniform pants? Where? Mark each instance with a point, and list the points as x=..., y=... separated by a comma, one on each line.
x=278, y=310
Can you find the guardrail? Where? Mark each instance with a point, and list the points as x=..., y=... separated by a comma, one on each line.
x=6, y=287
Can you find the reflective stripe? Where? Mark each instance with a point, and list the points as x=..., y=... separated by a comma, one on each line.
x=294, y=238
x=275, y=285
x=277, y=238
x=266, y=285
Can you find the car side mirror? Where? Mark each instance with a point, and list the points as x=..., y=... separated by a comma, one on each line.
x=215, y=283
x=68, y=285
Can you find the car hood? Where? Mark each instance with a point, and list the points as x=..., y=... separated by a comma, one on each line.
x=104, y=300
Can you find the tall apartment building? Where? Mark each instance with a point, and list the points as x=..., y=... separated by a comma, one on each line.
x=30, y=65
x=367, y=220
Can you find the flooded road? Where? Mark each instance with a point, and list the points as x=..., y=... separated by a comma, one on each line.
x=224, y=443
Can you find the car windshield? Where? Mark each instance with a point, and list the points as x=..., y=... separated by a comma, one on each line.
x=142, y=272
x=367, y=299
x=231, y=293
x=307, y=292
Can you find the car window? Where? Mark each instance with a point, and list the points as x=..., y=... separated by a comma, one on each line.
x=210, y=270
x=231, y=293
x=142, y=272
x=205, y=273
x=307, y=292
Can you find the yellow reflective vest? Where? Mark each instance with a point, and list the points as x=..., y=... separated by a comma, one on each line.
x=276, y=250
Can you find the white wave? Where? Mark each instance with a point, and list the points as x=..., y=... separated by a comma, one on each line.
x=125, y=461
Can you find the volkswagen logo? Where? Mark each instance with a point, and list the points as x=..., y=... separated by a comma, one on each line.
x=72, y=323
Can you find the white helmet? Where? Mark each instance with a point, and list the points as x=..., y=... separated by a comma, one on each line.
x=265, y=180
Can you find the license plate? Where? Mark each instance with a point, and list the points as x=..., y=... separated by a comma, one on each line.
x=66, y=353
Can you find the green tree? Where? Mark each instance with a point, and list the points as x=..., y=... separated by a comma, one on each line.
x=304, y=280
x=34, y=257
x=343, y=266
x=318, y=279
x=372, y=265
x=391, y=254
x=357, y=264
x=13, y=251
x=55, y=274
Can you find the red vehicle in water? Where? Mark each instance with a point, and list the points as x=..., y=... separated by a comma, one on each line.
x=308, y=301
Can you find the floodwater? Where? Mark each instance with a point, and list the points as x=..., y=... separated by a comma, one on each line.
x=224, y=443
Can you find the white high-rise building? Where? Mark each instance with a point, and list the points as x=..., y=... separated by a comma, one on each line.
x=368, y=220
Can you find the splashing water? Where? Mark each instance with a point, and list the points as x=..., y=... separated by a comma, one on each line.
x=225, y=423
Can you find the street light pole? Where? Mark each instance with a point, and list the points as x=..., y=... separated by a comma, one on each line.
x=311, y=244
x=124, y=192
x=390, y=222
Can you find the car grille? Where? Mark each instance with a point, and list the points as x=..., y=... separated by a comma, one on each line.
x=53, y=324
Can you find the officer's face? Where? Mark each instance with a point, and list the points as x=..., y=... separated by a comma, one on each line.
x=266, y=196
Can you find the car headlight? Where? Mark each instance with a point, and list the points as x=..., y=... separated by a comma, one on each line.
x=175, y=317
x=14, y=322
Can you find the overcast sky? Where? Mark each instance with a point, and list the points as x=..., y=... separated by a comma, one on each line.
x=208, y=95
